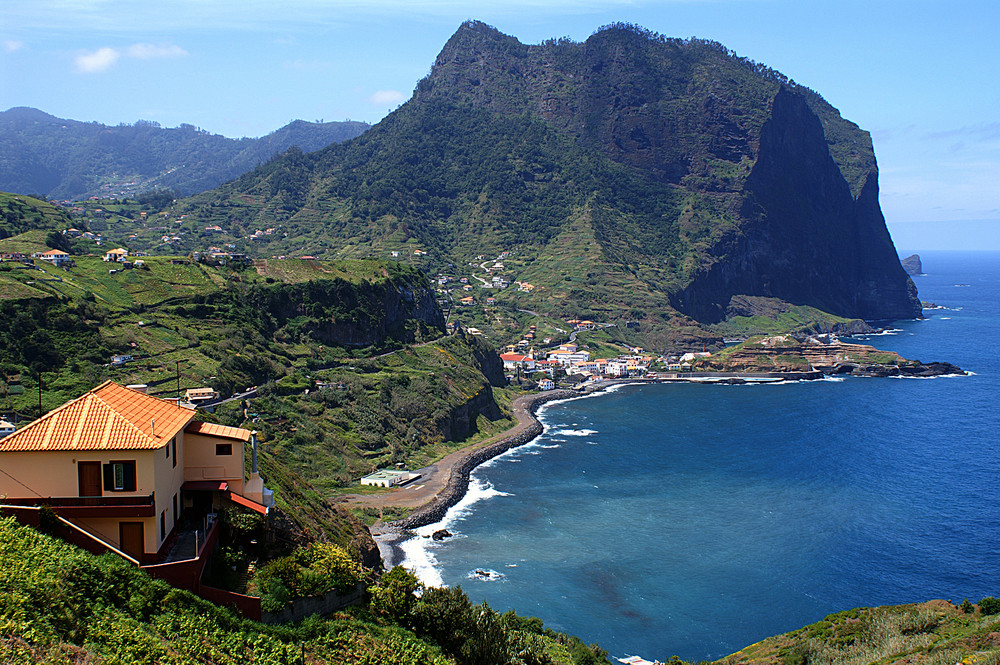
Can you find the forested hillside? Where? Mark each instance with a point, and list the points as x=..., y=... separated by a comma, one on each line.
x=68, y=159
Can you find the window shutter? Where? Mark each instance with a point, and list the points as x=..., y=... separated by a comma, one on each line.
x=109, y=478
x=129, y=476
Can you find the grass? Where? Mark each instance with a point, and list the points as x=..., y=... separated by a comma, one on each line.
x=932, y=633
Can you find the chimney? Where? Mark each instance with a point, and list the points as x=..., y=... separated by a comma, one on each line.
x=152, y=427
x=253, y=451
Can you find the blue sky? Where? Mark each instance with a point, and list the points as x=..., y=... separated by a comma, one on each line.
x=923, y=77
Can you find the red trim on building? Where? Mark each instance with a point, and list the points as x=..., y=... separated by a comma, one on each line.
x=252, y=505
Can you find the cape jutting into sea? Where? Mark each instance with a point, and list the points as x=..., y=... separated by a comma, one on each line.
x=697, y=519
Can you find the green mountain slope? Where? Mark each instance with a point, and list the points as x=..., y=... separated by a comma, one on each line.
x=696, y=175
x=68, y=159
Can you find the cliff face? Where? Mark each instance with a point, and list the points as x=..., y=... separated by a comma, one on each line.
x=804, y=239
x=393, y=309
x=461, y=421
x=341, y=313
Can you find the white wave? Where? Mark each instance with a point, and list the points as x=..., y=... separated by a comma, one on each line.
x=576, y=432
x=945, y=318
x=419, y=551
x=555, y=444
x=938, y=376
x=887, y=331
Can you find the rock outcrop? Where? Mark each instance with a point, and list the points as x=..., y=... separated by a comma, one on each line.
x=911, y=264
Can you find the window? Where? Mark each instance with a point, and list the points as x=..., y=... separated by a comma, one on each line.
x=173, y=444
x=163, y=524
x=167, y=448
x=223, y=449
x=119, y=476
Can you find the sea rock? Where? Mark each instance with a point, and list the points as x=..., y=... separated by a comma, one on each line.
x=911, y=264
x=932, y=369
x=441, y=534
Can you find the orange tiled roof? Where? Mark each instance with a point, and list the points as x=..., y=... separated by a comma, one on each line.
x=109, y=417
x=211, y=429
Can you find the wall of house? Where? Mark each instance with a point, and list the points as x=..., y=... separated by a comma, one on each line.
x=55, y=474
x=45, y=474
x=202, y=463
x=168, y=476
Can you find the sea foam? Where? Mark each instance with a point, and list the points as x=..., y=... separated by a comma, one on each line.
x=419, y=550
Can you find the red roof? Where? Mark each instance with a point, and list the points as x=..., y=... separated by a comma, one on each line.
x=211, y=429
x=109, y=417
x=513, y=357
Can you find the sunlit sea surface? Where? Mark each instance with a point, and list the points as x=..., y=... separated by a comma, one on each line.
x=698, y=519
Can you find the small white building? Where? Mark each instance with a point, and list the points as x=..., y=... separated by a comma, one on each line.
x=546, y=384
x=389, y=477
x=6, y=428
x=200, y=395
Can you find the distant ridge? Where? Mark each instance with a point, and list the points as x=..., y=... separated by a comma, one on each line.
x=69, y=159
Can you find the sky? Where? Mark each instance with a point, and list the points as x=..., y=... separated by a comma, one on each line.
x=922, y=76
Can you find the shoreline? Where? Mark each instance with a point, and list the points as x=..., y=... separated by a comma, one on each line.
x=390, y=535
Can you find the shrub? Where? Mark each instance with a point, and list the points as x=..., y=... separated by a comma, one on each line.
x=394, y=596
x=444, y=615
x=989, y=605
x=967, y=607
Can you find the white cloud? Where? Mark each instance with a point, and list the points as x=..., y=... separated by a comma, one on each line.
x=106, y=56
x=147, y=51
x=12, y=45
x=97, y=61
x=384, y=97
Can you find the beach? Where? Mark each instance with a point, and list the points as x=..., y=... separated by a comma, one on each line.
x=444, y=483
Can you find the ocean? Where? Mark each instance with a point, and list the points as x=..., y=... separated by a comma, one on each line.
x=698, y=519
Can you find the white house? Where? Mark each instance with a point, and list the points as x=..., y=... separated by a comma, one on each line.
x=56, y=257
x=116, y=255
x=513, y=360
x=389, y=477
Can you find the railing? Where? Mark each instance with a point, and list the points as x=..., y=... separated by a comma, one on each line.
x=83, y=501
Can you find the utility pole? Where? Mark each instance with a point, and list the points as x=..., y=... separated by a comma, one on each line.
x=177, y=371
x=40, y=412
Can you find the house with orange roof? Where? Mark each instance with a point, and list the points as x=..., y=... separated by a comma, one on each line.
x=119, y=255
x=56, y=257
x=512, y=361
x=128, y=470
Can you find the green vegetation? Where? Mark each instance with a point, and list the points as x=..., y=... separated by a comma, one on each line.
x=59, y=604
x=68, y=159
x=308, y=571
x=19, y=214
x=936, y=632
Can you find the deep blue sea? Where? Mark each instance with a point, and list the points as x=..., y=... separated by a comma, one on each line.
x=698, y=519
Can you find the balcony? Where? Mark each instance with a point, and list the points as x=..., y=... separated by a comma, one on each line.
x=93, y=506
